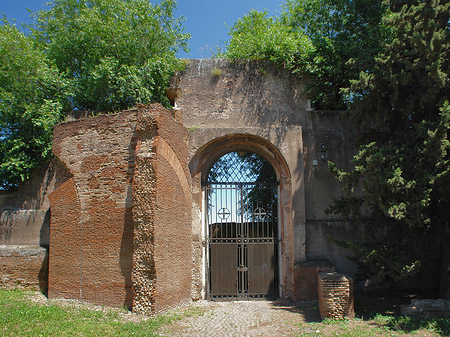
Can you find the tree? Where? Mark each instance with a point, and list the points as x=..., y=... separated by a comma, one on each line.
x=329, y=42
x=33, y=97
x=402, y=117
x=256, y=36
x=346, y=34
x=117, y=52
x=98, y=55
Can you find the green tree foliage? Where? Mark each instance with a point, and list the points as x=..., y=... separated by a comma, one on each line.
x=32, y=99
x=346, y=34
x=329, y=41
x=402, y=114
x=99, y=55
x=256, y=36
x=116, y=52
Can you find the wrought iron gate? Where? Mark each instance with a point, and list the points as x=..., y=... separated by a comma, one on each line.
x=242, y=225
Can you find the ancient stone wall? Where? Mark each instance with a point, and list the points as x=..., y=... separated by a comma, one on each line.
x=120, y=226
x=161, y=214
x=256, y=106
x=24, y=230
x=91, y=229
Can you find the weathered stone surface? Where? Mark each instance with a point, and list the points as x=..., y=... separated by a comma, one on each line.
x=423, y=308
x=23, y=266
x=162, y=261
x=119, y=226
x=258, y=107
x=306, y=279
x=335, y=295
x=24, y=227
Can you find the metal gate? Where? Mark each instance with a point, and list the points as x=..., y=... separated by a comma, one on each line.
x=242, y=224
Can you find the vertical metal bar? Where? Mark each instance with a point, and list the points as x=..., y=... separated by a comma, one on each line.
x=239, y=257
x=208, y=236
x=242, y=225
x=280, y=260
x=205, y=241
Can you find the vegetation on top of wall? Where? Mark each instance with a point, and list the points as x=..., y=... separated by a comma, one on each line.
x=98, y=55
x=329, y=42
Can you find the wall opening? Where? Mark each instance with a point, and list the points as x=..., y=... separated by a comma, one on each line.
x=241, y=209
x=201, y=165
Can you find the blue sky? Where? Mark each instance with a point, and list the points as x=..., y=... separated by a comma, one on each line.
x=206, y=20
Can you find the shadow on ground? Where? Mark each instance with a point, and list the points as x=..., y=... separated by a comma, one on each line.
x=309, y=311
x=383, y=306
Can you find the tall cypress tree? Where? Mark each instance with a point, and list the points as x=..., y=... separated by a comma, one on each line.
x=402, y=116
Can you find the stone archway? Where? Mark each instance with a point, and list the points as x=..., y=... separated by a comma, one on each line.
x=200, y=165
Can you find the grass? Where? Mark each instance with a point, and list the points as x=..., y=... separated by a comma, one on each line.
x=19, y=316
x=382, y=325
x=383, y=308
x=216, y=72
x=378, y=314
x=344, y=328
x=440, y=326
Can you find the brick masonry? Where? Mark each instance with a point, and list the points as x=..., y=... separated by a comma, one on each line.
x=335, y=295
x=306, y=279
x=23, y=267
x=122, y=230
x=161, y=214
x=119, y=231
x=24, y=248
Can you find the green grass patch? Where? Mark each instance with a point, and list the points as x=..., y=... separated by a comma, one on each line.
x=19, y=316
x=344, y=328
x=404, y=324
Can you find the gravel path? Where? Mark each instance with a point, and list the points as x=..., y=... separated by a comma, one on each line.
x=243, y=318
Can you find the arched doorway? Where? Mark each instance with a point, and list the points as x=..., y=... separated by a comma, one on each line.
x=242, y=224
x=205, y=156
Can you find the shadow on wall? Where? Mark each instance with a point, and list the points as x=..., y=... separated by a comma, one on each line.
x=44, y=239
x=126, y=257
x=127, y=244
x=266, y=92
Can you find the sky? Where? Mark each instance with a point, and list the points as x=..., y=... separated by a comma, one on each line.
x=206, y=20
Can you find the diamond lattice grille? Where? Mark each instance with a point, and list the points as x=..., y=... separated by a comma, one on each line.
x=239, y=167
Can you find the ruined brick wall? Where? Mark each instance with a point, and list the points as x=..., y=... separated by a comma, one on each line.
x=120, y=227
x=24, y=230
x=67, y=243
x=306, y=279
x=161, y=191
x=335, y=295
x=23, y=266
x=91, y=230
x=23, y=254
